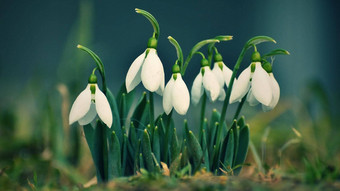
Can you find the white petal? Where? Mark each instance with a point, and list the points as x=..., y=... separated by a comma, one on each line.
x=180, y=96
x=167, y=96
x=133, y=77
x=210, y=84
x=81, y=105
x=261, y=85
x=221, y=97
x=103, y=107
x=160, y=89
x=227, y=73
x=89, y=117
x=218, y=74
x=241, y=86
x=152, y=72
x=251, y=98
x=197, y=89
x=276, y=94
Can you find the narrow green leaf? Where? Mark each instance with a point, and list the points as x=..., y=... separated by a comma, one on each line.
x=141, y=161
x=213, y=138
x=156, y=162
x=100, y=153
x=140, y=115
x=133, y=136
x=205, y=151
x=174, y=148
x=195, y=149
x=155, y=145
x=241, y=122
x=175, y=164
x=276, y=52
x=146, y=150
x=116, y=126
x=125, y=154
x=137, y=161
x=114, y=158
x=185, y=155
x=236, y=130
x=228, y=148
x=242, y=148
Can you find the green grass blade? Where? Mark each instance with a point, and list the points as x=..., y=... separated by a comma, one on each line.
x=147, y=153
x=242, y=148
x=114, y=162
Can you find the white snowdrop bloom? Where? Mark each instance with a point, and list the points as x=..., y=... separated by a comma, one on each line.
x=275, y=93
x=255, y=80
x=223, y=75
x=88, y=104
x=176, y=95
x=205, y=81
x=147, y=68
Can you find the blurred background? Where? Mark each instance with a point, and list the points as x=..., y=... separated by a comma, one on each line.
x=42, y=71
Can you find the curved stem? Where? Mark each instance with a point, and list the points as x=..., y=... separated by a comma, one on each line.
x=200, y=53
x=194, y=50
x=99, y=63
x=152, y=20
x=178, y=50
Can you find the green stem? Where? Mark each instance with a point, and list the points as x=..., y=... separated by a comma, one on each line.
x=239, y=107
x=202, y=116
x=194, y=50
x=152, y=20
x=99, y=63
x=178, y=50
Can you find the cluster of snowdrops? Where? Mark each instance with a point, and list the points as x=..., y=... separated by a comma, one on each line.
x=146, y=144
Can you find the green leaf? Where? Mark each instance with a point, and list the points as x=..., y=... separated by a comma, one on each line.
x=242, y=148
x=212, y=136
x=227, y=154
x=236, y=130
x=100, y=151
x=195, y=150
x=155, y=144
x=125, y=153
x=146, y=150
x=114, y=157
x=140, y=115
x=133, y=136
x=241, y=122
x=175, y=164
x=257, y=40
x=116, y=126
x=174, y=147
x=205, y=151
x=276, y=52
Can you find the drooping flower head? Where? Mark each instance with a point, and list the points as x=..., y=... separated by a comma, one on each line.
x=89, y=103
x=176, y=94
x=206, y=81
x=148, y=69
x=222, y=72
x=255, y=81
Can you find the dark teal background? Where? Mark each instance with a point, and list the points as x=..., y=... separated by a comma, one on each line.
x=37, y=44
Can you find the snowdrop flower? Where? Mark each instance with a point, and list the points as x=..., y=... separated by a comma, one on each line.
x=255, y=80
x=147, y=68
x=90, y=102
x=205, y=81
x=176, y=94
x=222, y=73
x=274, y=87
